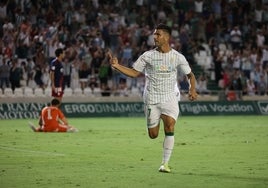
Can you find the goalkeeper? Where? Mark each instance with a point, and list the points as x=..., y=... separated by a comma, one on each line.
x=52, y=119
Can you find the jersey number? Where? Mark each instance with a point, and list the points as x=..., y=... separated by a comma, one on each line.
x=148, y=112
x=49, y=114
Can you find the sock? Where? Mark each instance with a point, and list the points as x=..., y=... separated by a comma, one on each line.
x=168, y=145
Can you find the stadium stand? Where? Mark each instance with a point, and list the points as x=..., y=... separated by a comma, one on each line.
x=205, y=36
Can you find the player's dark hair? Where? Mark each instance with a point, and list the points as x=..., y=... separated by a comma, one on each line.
x=164, y=27
x=55, y=102
x=58, y=52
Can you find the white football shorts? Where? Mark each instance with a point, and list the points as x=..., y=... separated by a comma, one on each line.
x=154, y=111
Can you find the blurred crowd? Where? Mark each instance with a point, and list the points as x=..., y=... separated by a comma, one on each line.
x=228, y=39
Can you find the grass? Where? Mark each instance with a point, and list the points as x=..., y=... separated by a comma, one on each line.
x=219, y=151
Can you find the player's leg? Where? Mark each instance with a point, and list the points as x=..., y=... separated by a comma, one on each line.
x=169, y=116
x=57, y=93
x=153, y=131
x=72, y=129
x=152, y=114
x=35, y=129
x=61, y=128
x=31, y=125
x=168, y=143
x=66, y=128
x=40, y=123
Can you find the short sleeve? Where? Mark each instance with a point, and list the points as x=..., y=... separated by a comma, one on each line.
x=184, y=65
x=141, y=62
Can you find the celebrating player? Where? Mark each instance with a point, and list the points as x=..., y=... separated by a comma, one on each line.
x=160, y=66
x=53, y=120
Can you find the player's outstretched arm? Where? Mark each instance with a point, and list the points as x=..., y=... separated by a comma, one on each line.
x=125, y=70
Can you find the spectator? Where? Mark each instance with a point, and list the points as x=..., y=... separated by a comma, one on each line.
x=24, y=74
x=38, y=76
x=246, y=66
x=218, y=61
x=84, y=74
x=201, y=86
x=264, y=57
x=75, y=74
x=105, y=90
x=184, y=85
x=251, y=89
x=226, y=78
x=236, y=60
x=256, y=76
x=67, y=69
x=15, y=75
x=260, y=39
x=231, y=94
x=262, y=86
x=253, y=55
x=175, y=31
x=210, y=26
x=31, y=82
x=46, y=77
x=199, y=6
x=236, y=38
x=258, y=13
x=4, y=74
x=237, y=83
x=105, y=72
x=217, y=8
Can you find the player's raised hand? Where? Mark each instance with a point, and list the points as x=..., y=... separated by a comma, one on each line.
x=113, y=60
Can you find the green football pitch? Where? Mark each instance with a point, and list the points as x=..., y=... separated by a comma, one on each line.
x=209, y=152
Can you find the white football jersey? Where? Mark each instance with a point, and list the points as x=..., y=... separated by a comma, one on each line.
x=161, y=71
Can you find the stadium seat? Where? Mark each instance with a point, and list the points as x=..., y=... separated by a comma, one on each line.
x=8, y=92
x=48, y=91
x=78, y=92
x=39, y=92
x=18, y=92
x=28, y=92
x=135, y=91
x=87, y=91
x=68, y=92
x=97, y=92
x=1, y=93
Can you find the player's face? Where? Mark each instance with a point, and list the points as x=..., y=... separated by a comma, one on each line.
x=62, y=55
x=160, y=37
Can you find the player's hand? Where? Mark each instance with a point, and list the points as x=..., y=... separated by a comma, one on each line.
x=192, y=95
x=113, y=60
